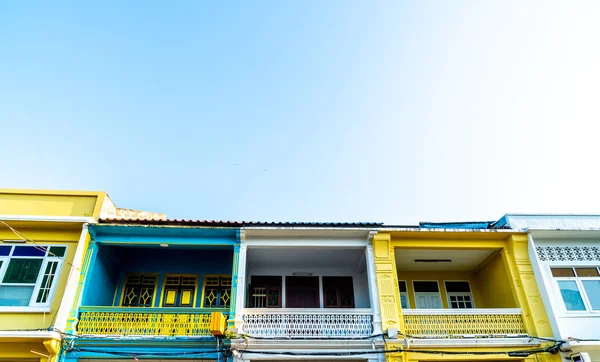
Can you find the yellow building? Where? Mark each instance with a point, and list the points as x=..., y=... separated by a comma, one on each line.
x=43, y=236
x=448, y=290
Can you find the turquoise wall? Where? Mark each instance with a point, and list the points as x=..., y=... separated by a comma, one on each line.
x=113, y=263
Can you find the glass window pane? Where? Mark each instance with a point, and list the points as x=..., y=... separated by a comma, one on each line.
x=404, y=301
x=586, y=272
x=592, y=289
x=562, y=272
x=570, y=295
x=29, y=251
x=402, y=286
x=15, y=296
x=58, y=251
x=22, y=271
x=5, y=250
x=458, y=287
x=425, y=287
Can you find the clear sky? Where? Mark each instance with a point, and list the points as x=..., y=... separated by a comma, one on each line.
x=306, y=110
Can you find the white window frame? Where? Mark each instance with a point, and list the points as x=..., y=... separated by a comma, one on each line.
x=404, y=294
x=579, y=282
x=46, y=259
x=459, y=294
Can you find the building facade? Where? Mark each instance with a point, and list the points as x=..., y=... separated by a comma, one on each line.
x=565, y=255
x=459, y=292
x=306, y=291
x=42, y=241
x=154, y=290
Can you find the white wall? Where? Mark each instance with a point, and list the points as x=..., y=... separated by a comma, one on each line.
x=566, y=324
x=323, y=253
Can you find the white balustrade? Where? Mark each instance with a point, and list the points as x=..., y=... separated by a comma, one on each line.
x=308, y=323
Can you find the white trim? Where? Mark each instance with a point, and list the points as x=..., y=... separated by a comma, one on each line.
x=33, y=306
x=252, y=311
x=404, y=293
x=40, y=278
x=322, y=292
x=30, y=334
x=316, y=242
x=471, y=311
x=50, y=218
x=416, y=294
x=466, y=342
x=45, y=309
x=459, y=294
x=373, y=291
x=580, y=288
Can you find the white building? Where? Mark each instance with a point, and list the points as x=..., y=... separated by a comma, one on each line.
x=565, y=256
x=307, y=292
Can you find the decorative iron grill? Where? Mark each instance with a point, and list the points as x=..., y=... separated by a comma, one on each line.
x=459, y=325
x=144, y=324
x=308, y=325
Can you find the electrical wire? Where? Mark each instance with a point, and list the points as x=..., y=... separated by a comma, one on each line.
x=36, y=245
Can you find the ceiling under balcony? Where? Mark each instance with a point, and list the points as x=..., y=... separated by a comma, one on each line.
x=460, y=260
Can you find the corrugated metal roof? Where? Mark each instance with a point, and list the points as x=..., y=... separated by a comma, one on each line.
x=227, y=223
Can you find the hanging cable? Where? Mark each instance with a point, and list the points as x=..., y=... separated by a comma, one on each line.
x=36, y=245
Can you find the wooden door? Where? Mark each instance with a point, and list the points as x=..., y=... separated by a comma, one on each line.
x=302, y=292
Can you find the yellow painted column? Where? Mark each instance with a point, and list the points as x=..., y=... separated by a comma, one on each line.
x=53, y=348
x=387, y=282
x=516, y=258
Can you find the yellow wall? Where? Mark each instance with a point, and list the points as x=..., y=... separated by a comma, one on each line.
x=410, y=276
x=502, y=281
x=42, y=237
x=50, y=203
x=494, y=284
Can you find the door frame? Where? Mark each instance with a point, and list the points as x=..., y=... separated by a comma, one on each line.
x=415, y=293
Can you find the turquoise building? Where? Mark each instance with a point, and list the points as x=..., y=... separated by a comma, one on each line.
x=154, y=289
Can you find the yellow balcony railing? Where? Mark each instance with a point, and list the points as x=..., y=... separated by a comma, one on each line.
x=455, y=323
x=144, y=322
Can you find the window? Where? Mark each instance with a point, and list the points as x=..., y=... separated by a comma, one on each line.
x=338, y=292
x=265, y=292
x=459, y=295
x=179, y=290
x=403, y=295
x=217, y=291
x=579, y=287
x=139, y=290
x=28, y=274
x=427, y=295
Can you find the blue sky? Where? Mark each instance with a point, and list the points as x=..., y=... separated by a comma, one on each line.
x=306, y=110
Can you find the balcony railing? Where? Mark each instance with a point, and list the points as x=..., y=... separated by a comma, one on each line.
x=308, y=323
x=460, y=323
x=168, y=322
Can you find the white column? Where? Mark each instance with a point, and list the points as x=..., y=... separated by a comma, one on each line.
x=283, y=292
x=373, y=289
x=321, y=292
x=240, y=300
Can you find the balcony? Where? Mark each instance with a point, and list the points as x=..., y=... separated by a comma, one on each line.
x=304, y=293
x=465, y=323
x=452, y=294
x=151, y=290
x=311, y=323
x=166, y=322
